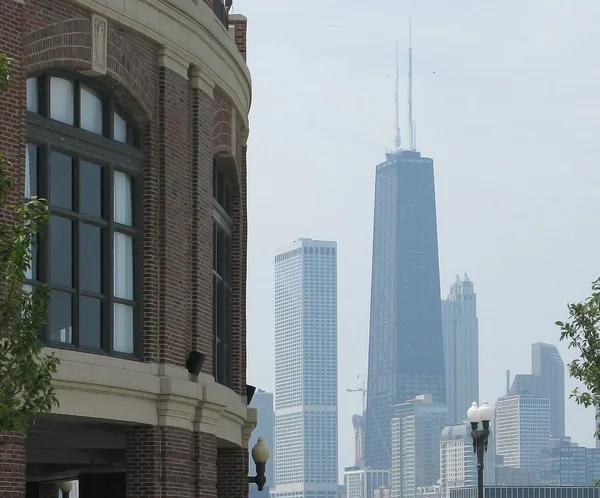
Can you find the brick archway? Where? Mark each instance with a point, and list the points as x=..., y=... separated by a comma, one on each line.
x=68, y=44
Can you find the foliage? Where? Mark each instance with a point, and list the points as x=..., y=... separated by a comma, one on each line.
x=25, y=370
x=582, y=333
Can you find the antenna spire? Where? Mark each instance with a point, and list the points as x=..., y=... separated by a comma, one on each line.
x=397, y=140
x=411, y=124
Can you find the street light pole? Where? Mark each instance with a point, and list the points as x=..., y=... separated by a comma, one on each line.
x=482, y=414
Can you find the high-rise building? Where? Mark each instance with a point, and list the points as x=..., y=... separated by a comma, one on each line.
x=406, y=355
x=563, y=463
x=306, y=448
x=416, y=428
x=265, y=428
x=362, y=483
x=547, y=377
x=461, y=349
x=522, y=429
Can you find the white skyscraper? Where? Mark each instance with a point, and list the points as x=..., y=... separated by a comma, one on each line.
x=306, y=446
x=461, y=348
x=522, y=429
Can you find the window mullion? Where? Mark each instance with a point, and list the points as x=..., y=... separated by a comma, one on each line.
x=44, y=241
x=75, y=252
x=109, y=259
x=77, y=103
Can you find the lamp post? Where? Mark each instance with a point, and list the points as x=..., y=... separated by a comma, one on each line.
x=65, y=487
x=260, y=455
x=482, y=414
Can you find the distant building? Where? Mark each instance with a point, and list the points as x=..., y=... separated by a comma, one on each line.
x=563, y=463
x=358, y=423
x=382, y=492
x=547, y=377
x=415, y=440
x=306, y=414
x=361, y=482
x=592, y=465
x=461, y=348
x=522, y=429
x=515, y=476
x=265, y=428
x=529, y=492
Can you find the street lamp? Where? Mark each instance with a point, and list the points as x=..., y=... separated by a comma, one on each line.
x=260, y=455
x=66, y=487
x=482, y=414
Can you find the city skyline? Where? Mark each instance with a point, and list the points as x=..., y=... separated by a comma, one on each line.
x=484, y=201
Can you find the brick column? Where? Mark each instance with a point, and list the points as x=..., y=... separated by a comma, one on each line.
x=12, y=465
x=175, y=220
x=232, y=473
x=205, y=465
x=160, y=462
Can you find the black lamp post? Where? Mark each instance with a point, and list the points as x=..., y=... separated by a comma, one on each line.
x=260, y=455
x=482, y=414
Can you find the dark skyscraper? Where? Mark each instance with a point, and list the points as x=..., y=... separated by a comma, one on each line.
x=406, y=355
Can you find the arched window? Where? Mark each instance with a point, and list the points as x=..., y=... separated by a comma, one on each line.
x=83, y=156
x=222, y=226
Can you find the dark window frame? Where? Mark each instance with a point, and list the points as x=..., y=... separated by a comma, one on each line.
x=51, y=135
x=222, y=275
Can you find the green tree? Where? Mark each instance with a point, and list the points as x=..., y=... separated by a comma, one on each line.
x=25, y=370
x=581, y=331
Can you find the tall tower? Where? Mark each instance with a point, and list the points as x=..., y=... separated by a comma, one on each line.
x=306, y=415
x=461, y=348
x=406, y=355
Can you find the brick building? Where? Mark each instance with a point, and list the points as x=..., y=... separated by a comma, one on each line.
x=131, y=118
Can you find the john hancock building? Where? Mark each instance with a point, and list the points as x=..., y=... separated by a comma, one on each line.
x=406, y=357
x=131, y=118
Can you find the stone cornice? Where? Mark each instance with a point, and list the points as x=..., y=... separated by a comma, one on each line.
x=95, y=386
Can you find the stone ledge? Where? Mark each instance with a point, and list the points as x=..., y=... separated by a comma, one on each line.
x=102, y=387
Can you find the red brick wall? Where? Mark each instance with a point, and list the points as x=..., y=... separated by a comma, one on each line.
x=12, y=466
x=240, y=30
x=205, y=465
x=202, y=232
x=175, y=217
x=231, y=483
x=47, y=490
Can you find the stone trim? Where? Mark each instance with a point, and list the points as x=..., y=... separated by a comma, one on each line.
x=148, y=393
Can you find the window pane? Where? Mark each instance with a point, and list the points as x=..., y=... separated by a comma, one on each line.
x=61, y=317
x=31, y=153
x=120, y=129
x=61, y=251
x=32, y=94
x=90, y=189
x=90, y=322
x=90, y=258
x=61, y=180
x=123, y=199
x=123, y=270
x=61, y=100
x=123, y=328
x=91, y=111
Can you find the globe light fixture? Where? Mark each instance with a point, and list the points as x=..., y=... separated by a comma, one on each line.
x=475, y=415
x=260, y=455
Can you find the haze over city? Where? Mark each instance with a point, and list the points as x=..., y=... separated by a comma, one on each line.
x=505, y=103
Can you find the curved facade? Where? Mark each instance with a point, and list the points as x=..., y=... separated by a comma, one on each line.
x=131, y=118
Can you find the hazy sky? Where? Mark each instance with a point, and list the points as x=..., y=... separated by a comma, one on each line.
x=511, y=117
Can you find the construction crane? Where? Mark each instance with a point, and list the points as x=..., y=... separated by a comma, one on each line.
x=362, y=390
